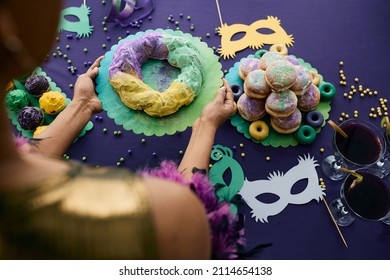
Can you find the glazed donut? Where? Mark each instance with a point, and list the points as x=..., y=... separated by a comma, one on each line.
x=280, y=75
x=255, y=85
x=288, y=124
x=258, y=130
x=327, y=91
x=251, y=109
x=306, y=135
x=314, y=118
x=279, y=48
x=303, y=81
x=126, y=77
x=315, y=77
x=310, y=99
x=237, y=90
x=281, y=104
x=248, y=65
x=260, y=53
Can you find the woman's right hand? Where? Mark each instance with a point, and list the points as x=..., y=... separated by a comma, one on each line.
x=221, y=108
x=84, y=90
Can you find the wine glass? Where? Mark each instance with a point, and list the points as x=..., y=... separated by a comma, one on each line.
x=368, y=199
x=364, y=145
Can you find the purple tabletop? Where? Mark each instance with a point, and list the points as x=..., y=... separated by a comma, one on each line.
x=325, y=33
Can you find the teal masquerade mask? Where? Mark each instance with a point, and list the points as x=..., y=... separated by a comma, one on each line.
x=82, y=26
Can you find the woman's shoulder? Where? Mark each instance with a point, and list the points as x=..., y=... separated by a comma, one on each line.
x=180, y=220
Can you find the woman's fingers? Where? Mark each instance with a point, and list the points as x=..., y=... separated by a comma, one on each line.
x=96, y=63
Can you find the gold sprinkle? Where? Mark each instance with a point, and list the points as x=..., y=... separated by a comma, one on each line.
x=243, y=154
x=322, y=150
x=268, y=158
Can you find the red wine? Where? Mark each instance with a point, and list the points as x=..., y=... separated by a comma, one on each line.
x=361, y=146
x=369, y=199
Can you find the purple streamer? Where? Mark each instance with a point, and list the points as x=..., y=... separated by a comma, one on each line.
x=129, y=8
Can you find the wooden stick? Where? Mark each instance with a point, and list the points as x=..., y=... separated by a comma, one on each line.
x=219, y=12
x=335, y=223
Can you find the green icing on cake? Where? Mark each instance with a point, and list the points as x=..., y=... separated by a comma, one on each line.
x=187, y=58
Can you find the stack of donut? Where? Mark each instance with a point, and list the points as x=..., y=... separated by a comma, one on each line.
x=278, y=85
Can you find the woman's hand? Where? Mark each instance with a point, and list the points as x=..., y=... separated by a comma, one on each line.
x=221, y=108
x=84, y=90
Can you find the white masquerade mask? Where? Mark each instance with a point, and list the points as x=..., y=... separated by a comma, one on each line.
x=281, y=185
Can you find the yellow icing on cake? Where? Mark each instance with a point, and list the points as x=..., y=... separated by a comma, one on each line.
x=139, y=96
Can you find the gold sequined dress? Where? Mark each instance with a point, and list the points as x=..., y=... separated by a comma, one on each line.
x=87, y=213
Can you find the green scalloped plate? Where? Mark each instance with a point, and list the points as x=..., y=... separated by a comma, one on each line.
x=33, y=101
x=140, y=122
x=274, y=138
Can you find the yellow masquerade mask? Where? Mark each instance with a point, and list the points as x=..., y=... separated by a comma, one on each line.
x=253, y=38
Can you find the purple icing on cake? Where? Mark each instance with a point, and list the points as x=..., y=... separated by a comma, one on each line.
x=131, y=54
x=30, y=118
x=36, y=85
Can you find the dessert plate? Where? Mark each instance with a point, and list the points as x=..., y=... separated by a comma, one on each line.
x=32, y=101
x=274, y=138
x=158, y=75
